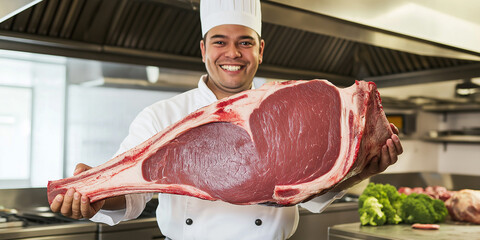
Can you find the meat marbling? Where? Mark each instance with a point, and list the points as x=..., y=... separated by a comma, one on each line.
x=280, y=144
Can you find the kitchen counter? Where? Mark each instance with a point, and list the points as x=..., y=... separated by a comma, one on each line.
x=314, y=226
x=144, y=228
x=70, y=231
x=448, y=231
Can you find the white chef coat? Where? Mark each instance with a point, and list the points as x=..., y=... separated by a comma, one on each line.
x=184, y=217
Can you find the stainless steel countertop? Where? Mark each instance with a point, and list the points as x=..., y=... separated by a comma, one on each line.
x=81, y=227
x=48, y=230
x=448, y=231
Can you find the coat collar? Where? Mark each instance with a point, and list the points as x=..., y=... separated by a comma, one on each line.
x=206, y=92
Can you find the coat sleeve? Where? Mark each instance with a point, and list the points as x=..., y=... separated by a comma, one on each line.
x=318, y=204
x=135, y=205
x=142, y=128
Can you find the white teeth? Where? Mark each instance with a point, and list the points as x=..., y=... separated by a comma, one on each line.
x=231, y=67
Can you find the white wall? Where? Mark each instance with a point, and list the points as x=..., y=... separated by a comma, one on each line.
x=426, y=156
x=460, y=158
x=99, y=119
x=32, y=109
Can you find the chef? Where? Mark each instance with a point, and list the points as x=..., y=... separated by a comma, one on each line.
x=232, y=50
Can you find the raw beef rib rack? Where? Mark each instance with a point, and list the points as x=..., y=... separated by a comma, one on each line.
x=280, y=144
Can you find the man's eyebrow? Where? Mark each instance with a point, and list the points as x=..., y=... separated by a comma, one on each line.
x=246, y=37
x=223, y=36
x=218, y=36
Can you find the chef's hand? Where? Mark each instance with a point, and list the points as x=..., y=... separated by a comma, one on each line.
x=73, y=204
x=388, y=156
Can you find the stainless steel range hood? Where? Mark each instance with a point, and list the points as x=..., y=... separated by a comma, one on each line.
x=11, y=8
x=300, y=43
x=440, y=21
x=92, y=73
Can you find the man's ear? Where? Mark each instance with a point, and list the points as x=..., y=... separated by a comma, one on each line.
x=202, y=48
x=260, y=55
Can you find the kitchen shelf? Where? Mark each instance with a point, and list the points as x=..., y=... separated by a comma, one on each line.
x=454, y=139
x=446, y=107
x=457, y=107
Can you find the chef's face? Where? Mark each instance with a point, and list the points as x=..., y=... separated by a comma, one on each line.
x=231, y=54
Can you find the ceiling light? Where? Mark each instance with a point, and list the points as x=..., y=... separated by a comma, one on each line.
x=466, y=88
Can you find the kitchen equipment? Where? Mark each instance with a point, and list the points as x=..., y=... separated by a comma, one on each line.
x=6, y=222
x=36, y=223
x=30, y=224
x=452, y=182
x=45, y=226
x=80, y=231
x=8, y=219
x=143, y=228
x=404, y=121
x=26, y=215
x=467, y=88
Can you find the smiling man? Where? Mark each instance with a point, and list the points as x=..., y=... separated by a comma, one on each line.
x=232, y=50
x=231, y=54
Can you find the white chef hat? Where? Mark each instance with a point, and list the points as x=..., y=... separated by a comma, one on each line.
x=240, y=12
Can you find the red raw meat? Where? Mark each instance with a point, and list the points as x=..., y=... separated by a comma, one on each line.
x=405, y=190
x=280, y=144
x=436, y=192
x=464, y=205
x=426, y=226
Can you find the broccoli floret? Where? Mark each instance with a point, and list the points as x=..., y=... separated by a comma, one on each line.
x=421, y=208
x=387, y=195
x=371, y=212
x=440, y=210
x=398, y=203
x=372, y=190
x=414, y=208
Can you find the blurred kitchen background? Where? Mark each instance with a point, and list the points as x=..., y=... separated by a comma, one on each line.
x=75, y=73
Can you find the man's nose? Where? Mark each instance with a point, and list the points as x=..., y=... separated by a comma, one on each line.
x=233, y=51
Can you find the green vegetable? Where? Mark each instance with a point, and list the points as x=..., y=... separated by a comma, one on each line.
x=387, y=196
x=381, y=204
x=421, y=208
x=371, y=212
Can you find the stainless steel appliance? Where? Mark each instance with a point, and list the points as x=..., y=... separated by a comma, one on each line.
x=26, y=215
x=44, y=226
x=143, y=228
x=33, y=220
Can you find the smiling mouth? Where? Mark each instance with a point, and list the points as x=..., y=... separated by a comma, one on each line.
x=231, y=68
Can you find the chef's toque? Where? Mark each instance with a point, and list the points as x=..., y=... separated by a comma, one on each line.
x=239, y=12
